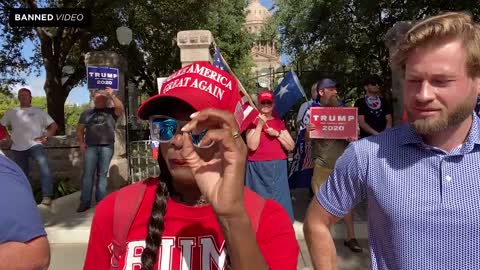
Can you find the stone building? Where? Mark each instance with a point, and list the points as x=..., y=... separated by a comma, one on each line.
x=264, y=54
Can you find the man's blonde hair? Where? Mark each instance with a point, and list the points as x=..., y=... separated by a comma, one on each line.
x=431, y=31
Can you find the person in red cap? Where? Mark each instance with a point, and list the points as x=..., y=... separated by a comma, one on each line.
x=268, y=143
x=197, y=213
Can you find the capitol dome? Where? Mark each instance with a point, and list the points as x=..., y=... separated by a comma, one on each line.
x=256, y=13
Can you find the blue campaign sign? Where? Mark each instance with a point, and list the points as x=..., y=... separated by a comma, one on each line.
x=102, y=77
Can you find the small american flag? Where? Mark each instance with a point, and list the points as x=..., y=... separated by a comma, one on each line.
x=246, y=112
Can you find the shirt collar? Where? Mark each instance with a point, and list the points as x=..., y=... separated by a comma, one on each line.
x=410, y=136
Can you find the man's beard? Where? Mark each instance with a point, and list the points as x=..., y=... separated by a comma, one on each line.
x=447, y=119
x=332, y=102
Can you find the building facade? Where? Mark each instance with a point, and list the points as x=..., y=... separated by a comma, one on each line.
x=264, y=53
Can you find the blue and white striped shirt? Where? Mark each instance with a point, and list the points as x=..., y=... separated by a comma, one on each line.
x=423, y=203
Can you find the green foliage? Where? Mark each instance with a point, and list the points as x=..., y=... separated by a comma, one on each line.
x=72, y=114
x=345, y=39
x=153, y=52
x=62, y=187
x=40, y=102
x=6, y=103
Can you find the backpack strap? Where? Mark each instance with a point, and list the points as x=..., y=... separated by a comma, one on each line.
x=254, y=206
x=126, y=206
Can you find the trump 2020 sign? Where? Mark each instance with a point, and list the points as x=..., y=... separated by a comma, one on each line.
x=334, y=122
x=102, y=77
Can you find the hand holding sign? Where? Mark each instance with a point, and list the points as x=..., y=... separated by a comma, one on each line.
x=109, y=92
x=310, y=127
x=334, y=123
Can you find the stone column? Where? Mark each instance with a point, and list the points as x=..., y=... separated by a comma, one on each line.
x=194, y=46
x=392, y=38
x=118, y=172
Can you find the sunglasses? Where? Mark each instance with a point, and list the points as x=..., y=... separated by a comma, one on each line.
x=266, y=103
x=164, y=128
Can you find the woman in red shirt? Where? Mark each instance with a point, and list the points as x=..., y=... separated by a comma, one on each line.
x=268, y=143
x=196, y=215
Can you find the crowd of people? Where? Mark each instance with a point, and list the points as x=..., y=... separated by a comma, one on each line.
x=222, y=202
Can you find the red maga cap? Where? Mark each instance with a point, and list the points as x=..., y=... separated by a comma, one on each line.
x=201, y=85
x=265, y=96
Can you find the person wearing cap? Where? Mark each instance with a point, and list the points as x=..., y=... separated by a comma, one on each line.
x=31, y=128
x=197, y=214
x=325, y=153
x=374, y=113
x=96, y=137
x=269, y=142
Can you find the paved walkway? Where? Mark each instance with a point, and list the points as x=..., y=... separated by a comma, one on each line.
x=68, y=234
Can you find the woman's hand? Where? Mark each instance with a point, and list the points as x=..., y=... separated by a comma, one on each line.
x=262, y=119
x=272, y=132
x=221, y=178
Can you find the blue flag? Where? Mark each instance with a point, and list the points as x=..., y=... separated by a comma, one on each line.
x=288, y=92
x=218, y=61
x=301, y=168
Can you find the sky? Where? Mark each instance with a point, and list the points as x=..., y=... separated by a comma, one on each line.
x=78, y=95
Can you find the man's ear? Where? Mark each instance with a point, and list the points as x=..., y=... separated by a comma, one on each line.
x=365, y=87
x=320, y=92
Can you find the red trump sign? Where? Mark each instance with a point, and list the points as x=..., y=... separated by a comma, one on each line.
x=334, y=123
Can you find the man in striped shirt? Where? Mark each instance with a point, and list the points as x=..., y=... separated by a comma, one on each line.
x=422, y=179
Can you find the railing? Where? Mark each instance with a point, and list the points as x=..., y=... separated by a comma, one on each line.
x=141, y=163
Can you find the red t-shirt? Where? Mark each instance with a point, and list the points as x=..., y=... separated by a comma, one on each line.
x=192, y=238
x=269, y=147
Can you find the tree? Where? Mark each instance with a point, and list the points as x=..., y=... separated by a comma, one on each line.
x=344, y=39
x=157, y=24
x=152, y=54
x=55, y=48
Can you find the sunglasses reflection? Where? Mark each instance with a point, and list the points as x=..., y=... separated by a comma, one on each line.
x=163, y=129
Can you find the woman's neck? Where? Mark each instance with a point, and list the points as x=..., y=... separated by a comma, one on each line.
x=188, y=196
x=199, y=202
x=269, y=116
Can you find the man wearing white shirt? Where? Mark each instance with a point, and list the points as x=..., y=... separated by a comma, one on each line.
x=31, y=128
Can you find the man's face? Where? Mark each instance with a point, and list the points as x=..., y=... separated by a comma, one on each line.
x=372, y=88
x=328, y=96
x=100, y=99
x=25, y=98
x=438, y=94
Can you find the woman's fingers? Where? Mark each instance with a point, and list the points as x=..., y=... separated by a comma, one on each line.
x=226, y=138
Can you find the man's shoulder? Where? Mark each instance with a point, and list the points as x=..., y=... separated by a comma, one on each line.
x=87, y=112
x=13, y=179
x=389, y=139
x=8, y=166
x=12, y=110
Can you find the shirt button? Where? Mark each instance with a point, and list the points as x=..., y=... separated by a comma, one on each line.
x=448, y=178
